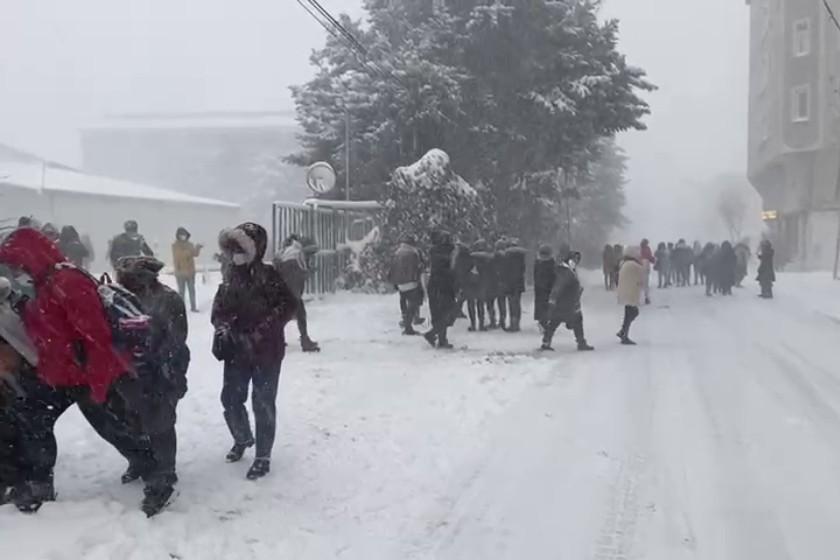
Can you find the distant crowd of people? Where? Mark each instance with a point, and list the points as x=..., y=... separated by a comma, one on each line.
x=719, y=268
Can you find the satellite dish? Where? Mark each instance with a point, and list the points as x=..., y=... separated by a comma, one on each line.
x=320, y=177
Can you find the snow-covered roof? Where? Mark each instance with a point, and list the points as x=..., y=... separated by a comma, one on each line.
x=188, y=121
x=51, y=178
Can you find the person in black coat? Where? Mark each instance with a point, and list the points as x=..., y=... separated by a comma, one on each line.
x=513, y=282
x=441, y=288
x=405, y=274
x=544, y=276
x=725, y=265
x=766, y=269
x=70, y=244
x=467, y=283
x=128, y=244
x=488, y=284
x=564, y=304
x=250, y=312
x=166, y=383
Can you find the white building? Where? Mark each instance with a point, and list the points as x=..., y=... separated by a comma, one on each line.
x=99, y=206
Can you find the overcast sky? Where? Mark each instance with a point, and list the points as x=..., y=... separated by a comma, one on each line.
x=67, y=63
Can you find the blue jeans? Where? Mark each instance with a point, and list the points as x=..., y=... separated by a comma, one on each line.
x=185, y=284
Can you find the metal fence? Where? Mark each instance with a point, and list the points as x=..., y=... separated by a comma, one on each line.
x=330, y=228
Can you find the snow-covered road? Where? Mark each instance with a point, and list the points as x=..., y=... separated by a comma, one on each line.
x=718, y=437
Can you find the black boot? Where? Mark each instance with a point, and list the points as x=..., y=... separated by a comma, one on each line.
x=156, y=499
x=443, y=342
x=409, y=331
x=309, y=345
x=29, y=496
x=583, y=346
x=5, y=495
x=431, y=338
x=237, y=451
x=132, y=473
x=259, y=469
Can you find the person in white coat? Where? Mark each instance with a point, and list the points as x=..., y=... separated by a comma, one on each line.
x=631, y=283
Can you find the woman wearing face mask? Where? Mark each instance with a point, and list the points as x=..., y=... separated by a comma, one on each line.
x=250, y=311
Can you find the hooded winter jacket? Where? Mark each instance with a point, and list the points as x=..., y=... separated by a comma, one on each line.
x=66, y=320
x=72, y=247
x=184, y=253
x=631, y=278
x=168, y=322
x=254, y=304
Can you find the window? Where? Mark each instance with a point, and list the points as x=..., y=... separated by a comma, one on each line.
x=801, y=103
x=802, y=37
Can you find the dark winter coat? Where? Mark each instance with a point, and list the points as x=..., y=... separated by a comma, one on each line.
x=544, y=276
x=725, y=265
x=165, y=381
x=766, y=269
x=488, y=275
x=168, y=327
x=406, y=265
x=466, y=275
x=565, y=295
x=70, y=244
x=252, y=307
x=512, y=271
x=128, y=245
x=441, y=288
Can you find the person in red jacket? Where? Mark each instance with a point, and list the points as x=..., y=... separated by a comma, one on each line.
x=76, y=363
x=66, y=319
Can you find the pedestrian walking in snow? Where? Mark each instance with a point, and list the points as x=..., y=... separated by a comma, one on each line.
x=64, y=319
x=631, y=283
x=184, y=253
x=488, y=284
x=466, y=281
x=405, y=274
x=681, y=263
x=166, y=382
x=726, y=263
x=766, y=269
x=742, y=259
x=564, y=304
x=70, y=244
x=128, y=244
x=608, y=264
x=441, y=288
x=648, y=260
x=544, y=277
x=250, y=312
x=293, y=264
x=513, y=282
x=663, y=265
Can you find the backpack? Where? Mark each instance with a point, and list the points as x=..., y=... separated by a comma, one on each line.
x=130, y=326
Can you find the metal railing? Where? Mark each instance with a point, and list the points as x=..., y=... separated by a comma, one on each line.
x=330, y=228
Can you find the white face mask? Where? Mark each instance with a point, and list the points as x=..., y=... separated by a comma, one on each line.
x=240, y=259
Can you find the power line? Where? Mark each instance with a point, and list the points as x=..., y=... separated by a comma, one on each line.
x=337, y=30
x=831, y=14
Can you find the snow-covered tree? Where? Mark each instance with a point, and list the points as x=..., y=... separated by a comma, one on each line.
x=508, y=88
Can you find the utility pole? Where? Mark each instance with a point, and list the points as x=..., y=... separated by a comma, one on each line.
x=347, y=154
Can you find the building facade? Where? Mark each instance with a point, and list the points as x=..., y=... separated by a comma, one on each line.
x=234, y=156
x=794, y=138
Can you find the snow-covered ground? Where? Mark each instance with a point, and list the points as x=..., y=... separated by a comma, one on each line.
x=718, y=437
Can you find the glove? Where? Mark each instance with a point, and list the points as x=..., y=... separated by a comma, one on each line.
x=223, y=344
